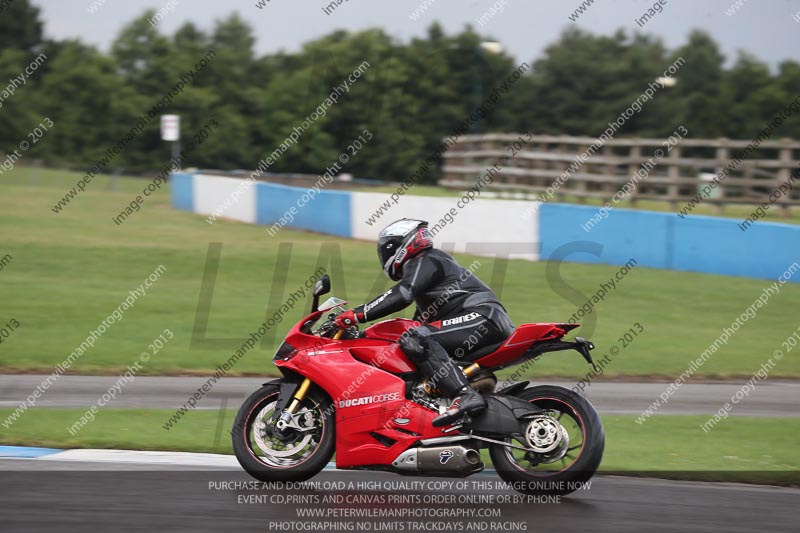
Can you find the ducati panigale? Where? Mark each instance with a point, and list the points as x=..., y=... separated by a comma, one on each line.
x=356, y=393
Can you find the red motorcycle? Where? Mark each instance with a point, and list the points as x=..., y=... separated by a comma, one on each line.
x=356, y=393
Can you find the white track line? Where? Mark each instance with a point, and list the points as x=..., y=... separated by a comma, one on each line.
x=145, y=457
x=161, y=458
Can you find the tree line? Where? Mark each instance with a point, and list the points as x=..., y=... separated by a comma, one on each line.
x=413, y=95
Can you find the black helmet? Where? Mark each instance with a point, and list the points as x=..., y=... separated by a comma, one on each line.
x=400, y=241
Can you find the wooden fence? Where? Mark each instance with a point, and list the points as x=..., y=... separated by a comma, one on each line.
x=676, y=178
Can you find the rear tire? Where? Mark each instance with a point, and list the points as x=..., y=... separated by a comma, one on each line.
x=314, y=448
x=573, y=476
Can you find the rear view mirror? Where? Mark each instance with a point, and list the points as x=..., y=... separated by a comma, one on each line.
x=323, y=286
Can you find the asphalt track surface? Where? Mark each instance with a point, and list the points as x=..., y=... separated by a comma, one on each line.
x=68, y=496
x=770, y=398
x=54, y=495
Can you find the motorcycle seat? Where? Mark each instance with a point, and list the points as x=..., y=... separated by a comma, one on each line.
x=468, y=358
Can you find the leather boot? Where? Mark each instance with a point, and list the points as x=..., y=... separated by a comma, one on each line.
x=469, y=402
x=432, y=359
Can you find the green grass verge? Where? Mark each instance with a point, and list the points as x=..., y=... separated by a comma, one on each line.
x=70, y=270
x=127, y=429
x=664, y=446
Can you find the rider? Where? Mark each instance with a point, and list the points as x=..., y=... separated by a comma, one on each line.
x=452, y=304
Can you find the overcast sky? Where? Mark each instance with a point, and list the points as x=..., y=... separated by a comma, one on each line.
x=767, y=28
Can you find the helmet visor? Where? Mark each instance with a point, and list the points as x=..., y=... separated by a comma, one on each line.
x=401, y=228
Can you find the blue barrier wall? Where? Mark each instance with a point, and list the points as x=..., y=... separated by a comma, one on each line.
x=657, y=240
x=623, y=235
x=181, y=187
x=326, y=212
x=663, y=240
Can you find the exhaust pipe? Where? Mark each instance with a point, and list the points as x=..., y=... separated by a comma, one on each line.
x=456, y=461
x=472, y=457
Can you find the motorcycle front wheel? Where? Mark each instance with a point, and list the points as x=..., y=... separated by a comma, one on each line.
x=295, y=453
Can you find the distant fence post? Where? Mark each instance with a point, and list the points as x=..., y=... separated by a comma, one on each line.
x=675, y=179
x=784, y=173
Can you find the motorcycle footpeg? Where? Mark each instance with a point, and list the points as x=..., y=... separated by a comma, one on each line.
x=460, y=418
x=448, y=419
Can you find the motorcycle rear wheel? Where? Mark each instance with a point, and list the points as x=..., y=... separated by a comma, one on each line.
x=572, y=462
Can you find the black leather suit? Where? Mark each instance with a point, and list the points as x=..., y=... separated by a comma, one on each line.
x=460, y=314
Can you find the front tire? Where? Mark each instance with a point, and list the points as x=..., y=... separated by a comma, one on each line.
x=571, y=462
x=291, y=455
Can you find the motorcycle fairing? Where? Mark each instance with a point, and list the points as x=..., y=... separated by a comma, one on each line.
x=368, y=401
x=375, y=422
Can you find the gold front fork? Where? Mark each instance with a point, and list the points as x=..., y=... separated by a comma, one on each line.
x=302, y=390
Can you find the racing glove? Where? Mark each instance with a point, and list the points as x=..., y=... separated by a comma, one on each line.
x=347, y=318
